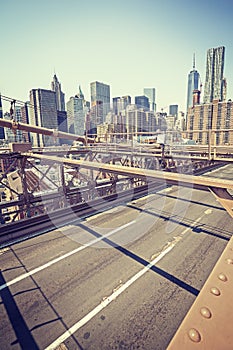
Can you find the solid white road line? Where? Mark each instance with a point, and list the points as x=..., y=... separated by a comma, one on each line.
x=215, y=170
x=107, y=301
x=54, y=261
x=120, y=290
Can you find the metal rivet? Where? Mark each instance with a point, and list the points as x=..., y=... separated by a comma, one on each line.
x=222, y=277
x=215, y=291
x=205, y=312
x=194, y=335
x=229, y=261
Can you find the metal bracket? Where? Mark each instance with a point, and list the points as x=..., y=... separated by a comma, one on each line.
x=224, y=198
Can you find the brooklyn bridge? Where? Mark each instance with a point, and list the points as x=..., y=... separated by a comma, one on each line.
x=115, y=246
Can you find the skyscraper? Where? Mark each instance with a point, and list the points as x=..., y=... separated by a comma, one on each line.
x=173, y=110
x=214, y=83
x=150, y=93
x=75, y=115
x=142, y=102
x=2, y=134
x=138, y=120
x=120, y=103
x=60, y=96
x=43, y=113
x=115, y=104
x=193, y=84
x=100, y=94
x=14, y=135
x=25, y=119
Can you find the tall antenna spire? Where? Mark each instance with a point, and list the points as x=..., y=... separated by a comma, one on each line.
x=194, y=61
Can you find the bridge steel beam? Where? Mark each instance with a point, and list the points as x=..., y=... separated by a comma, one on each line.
x=12, y=124
x=208, y=323
x=196, y=182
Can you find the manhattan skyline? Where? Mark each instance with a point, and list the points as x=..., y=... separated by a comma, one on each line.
x=129, y=45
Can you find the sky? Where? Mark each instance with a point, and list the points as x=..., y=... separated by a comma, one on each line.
x=128, y=44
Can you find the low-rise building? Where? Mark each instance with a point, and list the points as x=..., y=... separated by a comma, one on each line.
x=216, y=116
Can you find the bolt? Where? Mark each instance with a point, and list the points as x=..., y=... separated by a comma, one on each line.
x=229, y=261
x=222, y=277
x=194, y=335
x=205, y=312
x=215, y=291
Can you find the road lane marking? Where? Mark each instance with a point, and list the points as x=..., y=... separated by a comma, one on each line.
x=94, y=241
x=215, y=170
x=115, y=293
x=167, y=189
x=107, y=300
x=4, y=250
x=208, y=211
x=54, y=261
x=121, y=289
x=114, y=210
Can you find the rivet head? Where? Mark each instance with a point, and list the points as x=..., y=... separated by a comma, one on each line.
x=222, y=277
x=229, y=261
x=205, y=312
x=215, y=291
x=194, y=335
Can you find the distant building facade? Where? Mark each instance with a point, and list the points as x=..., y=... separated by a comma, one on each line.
x=25, y=119
x=17, y=135
x=215, y=115
x=2, y=133
x=60, y=96
x=120, y=103
x=96, y=116
x=142, y=102
x=100, y=96
x=75, y=116
x=60, y=104
x=173, y=110
x=150, y=93
x=214, y=82
x=161, y=121
x=62, y=126
x=193, y=84
x=139, y=120
x=43, y=112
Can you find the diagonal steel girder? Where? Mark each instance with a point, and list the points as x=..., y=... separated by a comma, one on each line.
x=12, y=124
x=218, y=187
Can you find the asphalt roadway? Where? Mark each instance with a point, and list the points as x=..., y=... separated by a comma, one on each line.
x=122, y=279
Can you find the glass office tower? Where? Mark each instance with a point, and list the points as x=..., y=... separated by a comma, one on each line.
x=60, y=96
x=214, y=83
x=100, y=95
x=173, y=110
x=150, y=93
x=193, y=84
x=43, y=112
x=142, y=102
x=2, y=134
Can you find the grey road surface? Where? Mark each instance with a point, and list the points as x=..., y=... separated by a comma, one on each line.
x=122, y=279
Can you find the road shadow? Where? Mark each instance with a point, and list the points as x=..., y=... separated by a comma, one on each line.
x=187, y=223
x=142, y=261
x=191, y=201
x=23, y=333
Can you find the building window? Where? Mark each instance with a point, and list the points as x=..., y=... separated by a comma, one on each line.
x=226, y=137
